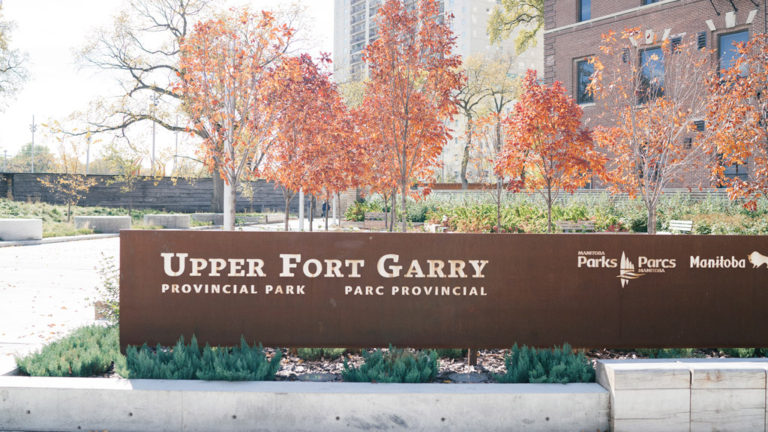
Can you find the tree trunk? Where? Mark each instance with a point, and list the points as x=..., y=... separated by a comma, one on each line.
x=311, y=213
x=287, y=210
x=386, y=213
x=327, y=207
x=69, y=211
x=499, y=186
x=403, y=209
x=229, y=206
x=465, y=157
x=393, y=210
x=217, y=199
x=651, y=218
x=549, y=210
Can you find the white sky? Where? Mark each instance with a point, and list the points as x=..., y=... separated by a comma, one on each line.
x=50, y=31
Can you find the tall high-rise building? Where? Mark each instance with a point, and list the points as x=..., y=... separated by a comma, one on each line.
x=355, y=28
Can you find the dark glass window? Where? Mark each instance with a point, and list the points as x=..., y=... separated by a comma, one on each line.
x=728, y=50
x=584, y=71
x=651, y=74
x=585, y=10
x=647, y=2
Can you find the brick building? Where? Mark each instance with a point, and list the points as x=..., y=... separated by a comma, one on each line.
x=573, y=31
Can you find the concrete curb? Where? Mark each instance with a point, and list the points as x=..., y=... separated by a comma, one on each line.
x=50, y=240
x=65, y=404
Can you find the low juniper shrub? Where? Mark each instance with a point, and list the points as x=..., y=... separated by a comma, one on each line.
x=394, y=366
x=558, y=365
x=188, y=361
x=88, y=351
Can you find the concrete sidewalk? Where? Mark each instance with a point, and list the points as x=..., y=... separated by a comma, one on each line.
x=47, y=288
x=46, y=291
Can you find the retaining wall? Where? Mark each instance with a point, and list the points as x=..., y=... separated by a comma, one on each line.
x=74, y=404
x=166, y=193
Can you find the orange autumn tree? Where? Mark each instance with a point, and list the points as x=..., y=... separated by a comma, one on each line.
x=311, y=151
x=654, y=95
x=413, y=77
x=547, y=150
x=232, y=91
x=739, y=112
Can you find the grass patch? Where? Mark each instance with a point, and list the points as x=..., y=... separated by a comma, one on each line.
x=88, y=351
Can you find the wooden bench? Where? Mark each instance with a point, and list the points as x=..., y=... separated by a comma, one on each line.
x=576, y=227
x=680, y=226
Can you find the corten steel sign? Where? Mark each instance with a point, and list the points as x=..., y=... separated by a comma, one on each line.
x=443, y=290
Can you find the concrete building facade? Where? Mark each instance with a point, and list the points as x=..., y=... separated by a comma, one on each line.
x=354, y=28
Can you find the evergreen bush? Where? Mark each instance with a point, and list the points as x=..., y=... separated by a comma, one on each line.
x=393, y=366
x=558, y=365
x=188, y=361
x=88, y=351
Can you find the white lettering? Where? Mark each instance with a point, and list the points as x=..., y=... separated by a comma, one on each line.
x=168, y=260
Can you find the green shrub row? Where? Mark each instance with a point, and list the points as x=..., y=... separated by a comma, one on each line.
x=94, y=350
x=188, y=361
x=527, y=214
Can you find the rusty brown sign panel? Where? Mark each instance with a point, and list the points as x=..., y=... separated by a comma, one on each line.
x=443, y=290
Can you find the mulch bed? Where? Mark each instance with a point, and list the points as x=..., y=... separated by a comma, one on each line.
x=489, y=363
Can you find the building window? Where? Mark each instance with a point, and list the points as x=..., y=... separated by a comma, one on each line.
x=651, y=74
x=647, y=2
x=584, y=71
x=736, y=171
x=585, y=10
x=728, y=47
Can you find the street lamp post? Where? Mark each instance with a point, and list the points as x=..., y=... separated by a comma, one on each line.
x=155, y=99
x=33, y=128
x=87, y=151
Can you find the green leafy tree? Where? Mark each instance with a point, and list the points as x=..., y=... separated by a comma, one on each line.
x=511, y=15
x=22, y=162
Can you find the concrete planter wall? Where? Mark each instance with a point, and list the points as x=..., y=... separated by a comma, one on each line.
x=103, y=224
x=21, y=229
x=634, y=395
x=74, y=404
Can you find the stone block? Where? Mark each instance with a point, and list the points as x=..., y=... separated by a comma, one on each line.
x=727, y=409
x=103, y=224
x=172, y=221
x=650, y=410
x=21, y=229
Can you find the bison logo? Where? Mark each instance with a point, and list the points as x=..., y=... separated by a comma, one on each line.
x=757, y=259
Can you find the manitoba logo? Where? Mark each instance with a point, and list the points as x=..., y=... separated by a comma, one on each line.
x=627, y=271
x=757, y=259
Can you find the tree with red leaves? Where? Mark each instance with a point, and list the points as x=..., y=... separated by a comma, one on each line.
x=547, y=150
x=739, y=116
x=233, y=92
x=410, y=96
